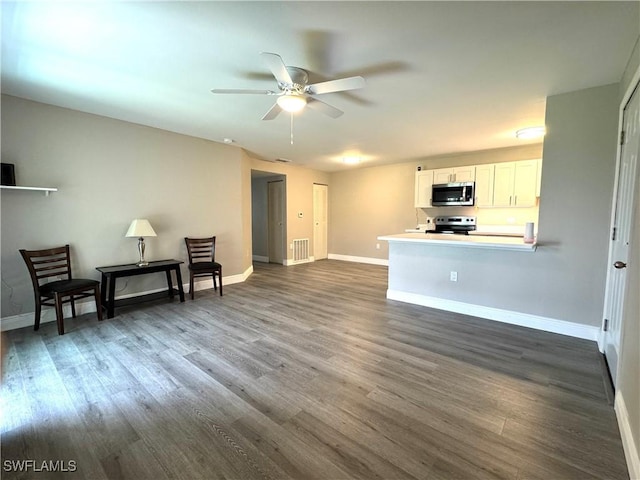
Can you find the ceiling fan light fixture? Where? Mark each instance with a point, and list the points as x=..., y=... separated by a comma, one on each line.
x=291, y=103
x=530, y=132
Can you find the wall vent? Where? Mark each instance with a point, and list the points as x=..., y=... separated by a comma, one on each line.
x=301, y=250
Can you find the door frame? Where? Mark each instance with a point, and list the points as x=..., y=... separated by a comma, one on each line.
x=635, y=83
x=270, y=221
x=326, y=214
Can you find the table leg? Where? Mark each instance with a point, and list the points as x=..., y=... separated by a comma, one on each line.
x=112, y=296
x=169, y=282
x=179, y=280
x=103, y=290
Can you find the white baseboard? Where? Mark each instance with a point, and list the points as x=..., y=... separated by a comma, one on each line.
x=506, y=316
x=351, y=258
x=628, y=444
x=49, y=315
x=288, y=262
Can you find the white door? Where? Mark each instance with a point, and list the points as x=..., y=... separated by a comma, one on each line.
x=320, y=207
x=621, y=232
x=276, y=221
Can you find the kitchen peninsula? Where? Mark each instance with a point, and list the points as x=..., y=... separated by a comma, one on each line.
x=468, y=274
x=468, y=241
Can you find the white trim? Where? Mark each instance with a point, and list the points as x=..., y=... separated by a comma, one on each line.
x=289, y=261
x=506, y=316
x=351, y=258
x=260, y=258
x=628, y=444
x=48, y=314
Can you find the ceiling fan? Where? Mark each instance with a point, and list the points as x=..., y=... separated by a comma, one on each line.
x=294, y=93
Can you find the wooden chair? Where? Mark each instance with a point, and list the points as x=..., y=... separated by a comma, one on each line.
x=202, y=261
x=55, y=262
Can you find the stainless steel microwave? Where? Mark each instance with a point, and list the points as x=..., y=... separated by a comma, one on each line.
x=453, y=194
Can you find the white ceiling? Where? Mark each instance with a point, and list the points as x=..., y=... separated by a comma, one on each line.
x=442, y=77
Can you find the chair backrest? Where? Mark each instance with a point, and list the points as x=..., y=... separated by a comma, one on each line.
x=51, y=262
x=201, y=249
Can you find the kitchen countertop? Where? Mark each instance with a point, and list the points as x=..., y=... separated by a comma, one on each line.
x=470, y=241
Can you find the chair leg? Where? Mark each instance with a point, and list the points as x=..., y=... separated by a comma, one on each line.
x=98, y=302
x=215, y=285
x=191, y=285
x=36, y=325
x=73, y=307
x=59, y=314
x=220, y=276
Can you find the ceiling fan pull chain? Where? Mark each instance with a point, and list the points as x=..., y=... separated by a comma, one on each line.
x=291, y=128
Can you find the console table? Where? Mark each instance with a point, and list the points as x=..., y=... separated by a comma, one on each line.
x=111, y=273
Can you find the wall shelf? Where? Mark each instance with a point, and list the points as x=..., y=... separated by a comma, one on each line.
x=46, y=190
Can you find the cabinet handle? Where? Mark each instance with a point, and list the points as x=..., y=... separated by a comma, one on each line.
x=510, y=197
x=515, y=200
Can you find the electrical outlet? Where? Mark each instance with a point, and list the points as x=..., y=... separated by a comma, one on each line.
x=377, y=246
x=453, y=276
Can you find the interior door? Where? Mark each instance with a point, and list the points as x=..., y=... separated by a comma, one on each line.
x=276, y=213
x=320, y=207
x=621, y=232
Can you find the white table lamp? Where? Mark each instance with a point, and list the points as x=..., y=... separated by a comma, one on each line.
x=141, y=228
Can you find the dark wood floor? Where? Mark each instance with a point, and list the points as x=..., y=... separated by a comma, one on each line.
x=305, y=372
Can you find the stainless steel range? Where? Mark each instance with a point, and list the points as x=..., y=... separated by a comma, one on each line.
x=455, y=224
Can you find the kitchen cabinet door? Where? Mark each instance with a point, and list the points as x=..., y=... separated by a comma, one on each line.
x=442, y=175
x=464, y=174
x=424, y=182
x=525, y=181
x=455, y=174
x=504, y=174
x=484, y=185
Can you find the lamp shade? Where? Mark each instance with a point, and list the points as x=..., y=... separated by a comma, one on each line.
x=291, y=103
x=140, y=227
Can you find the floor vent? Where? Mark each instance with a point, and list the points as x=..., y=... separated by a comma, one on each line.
x=300, y=250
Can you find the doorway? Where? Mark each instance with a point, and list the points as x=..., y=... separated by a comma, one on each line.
x=276, y=216
x=621, y=232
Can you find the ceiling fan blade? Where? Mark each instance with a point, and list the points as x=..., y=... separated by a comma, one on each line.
x=323, y=107
x=243, y=91
x=277, y=67
x=339, y=85
x=273, y=112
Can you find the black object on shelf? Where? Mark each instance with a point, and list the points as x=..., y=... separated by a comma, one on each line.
x=8, y=174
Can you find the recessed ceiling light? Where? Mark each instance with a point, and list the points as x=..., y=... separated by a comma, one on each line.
x=228, y=140
x=351, y=160
x=530, y=132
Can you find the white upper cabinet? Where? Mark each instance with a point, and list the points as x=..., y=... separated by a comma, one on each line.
x=456, y=174
x=508, y=184
x=484, y=185
x=424, y=182
x=515, y=184
x=525, y=183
